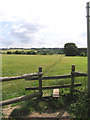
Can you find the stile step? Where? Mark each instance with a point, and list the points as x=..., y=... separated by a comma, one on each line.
x=55, y=92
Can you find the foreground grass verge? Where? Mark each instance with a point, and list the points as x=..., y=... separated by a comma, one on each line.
x=77, y=106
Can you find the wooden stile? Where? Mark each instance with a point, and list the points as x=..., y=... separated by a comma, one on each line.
x=38, y=76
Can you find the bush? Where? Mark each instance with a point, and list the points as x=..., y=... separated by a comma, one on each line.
x=9, y=52
x=23, y=52
x=28, y=52
x=81, y=107
x=18, y=52
x=44, y=53
x=83, y=54
x=3, y=53
x=34, y=53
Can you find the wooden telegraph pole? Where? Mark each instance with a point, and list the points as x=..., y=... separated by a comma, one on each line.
x=88, y=46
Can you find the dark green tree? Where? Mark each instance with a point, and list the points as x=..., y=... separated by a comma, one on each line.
x=9, y=52
x=70, y=49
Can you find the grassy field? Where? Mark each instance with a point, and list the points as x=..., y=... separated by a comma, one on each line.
x=52, y=65
x=13, y=65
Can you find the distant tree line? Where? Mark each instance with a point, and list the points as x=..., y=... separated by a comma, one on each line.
x=22, y=52
x=70, y=49
x=36, y=51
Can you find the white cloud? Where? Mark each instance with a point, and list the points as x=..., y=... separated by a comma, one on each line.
x=43, y=23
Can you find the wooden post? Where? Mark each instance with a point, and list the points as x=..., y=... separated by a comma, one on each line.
x=72, y=78
x=40, y=82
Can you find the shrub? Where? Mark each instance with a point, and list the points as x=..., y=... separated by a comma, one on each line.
x=81, y=107
x=23, y=52
x=34, y=53
x=18, y=52
x=3, y=53
x=28, y=52
x=83, y=54
x=9, y=52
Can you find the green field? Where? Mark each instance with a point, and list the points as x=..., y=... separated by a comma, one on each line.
x=52, y=65
x=13, y=65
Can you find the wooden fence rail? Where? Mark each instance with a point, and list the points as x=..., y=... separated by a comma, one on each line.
x=49, y=77
x=77, y=74
x=4, y=79
x=38, y=76
x=30, y=77
x=18, y=99
x=51, y=87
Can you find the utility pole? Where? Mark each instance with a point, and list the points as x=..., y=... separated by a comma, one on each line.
x=88, y=46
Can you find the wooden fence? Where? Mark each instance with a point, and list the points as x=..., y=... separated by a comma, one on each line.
x=39, y=76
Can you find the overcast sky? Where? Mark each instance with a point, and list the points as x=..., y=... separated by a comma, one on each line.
x=42, y=23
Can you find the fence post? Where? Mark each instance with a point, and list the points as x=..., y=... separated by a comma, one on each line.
x=72, y=78
x=40, y=82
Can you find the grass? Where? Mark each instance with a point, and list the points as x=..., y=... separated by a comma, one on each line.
x=13, y=65
x=52, y=65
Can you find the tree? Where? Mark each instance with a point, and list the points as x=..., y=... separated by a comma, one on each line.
x=70, y=49
x=18, y=52
x=9, y=52
x=29, y=52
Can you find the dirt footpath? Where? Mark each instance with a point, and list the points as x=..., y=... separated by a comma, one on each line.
x=48, y=114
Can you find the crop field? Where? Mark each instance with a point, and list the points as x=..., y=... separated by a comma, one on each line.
x=13, y=50
x=13, y=65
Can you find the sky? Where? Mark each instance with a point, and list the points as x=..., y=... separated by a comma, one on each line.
x=42, y=23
